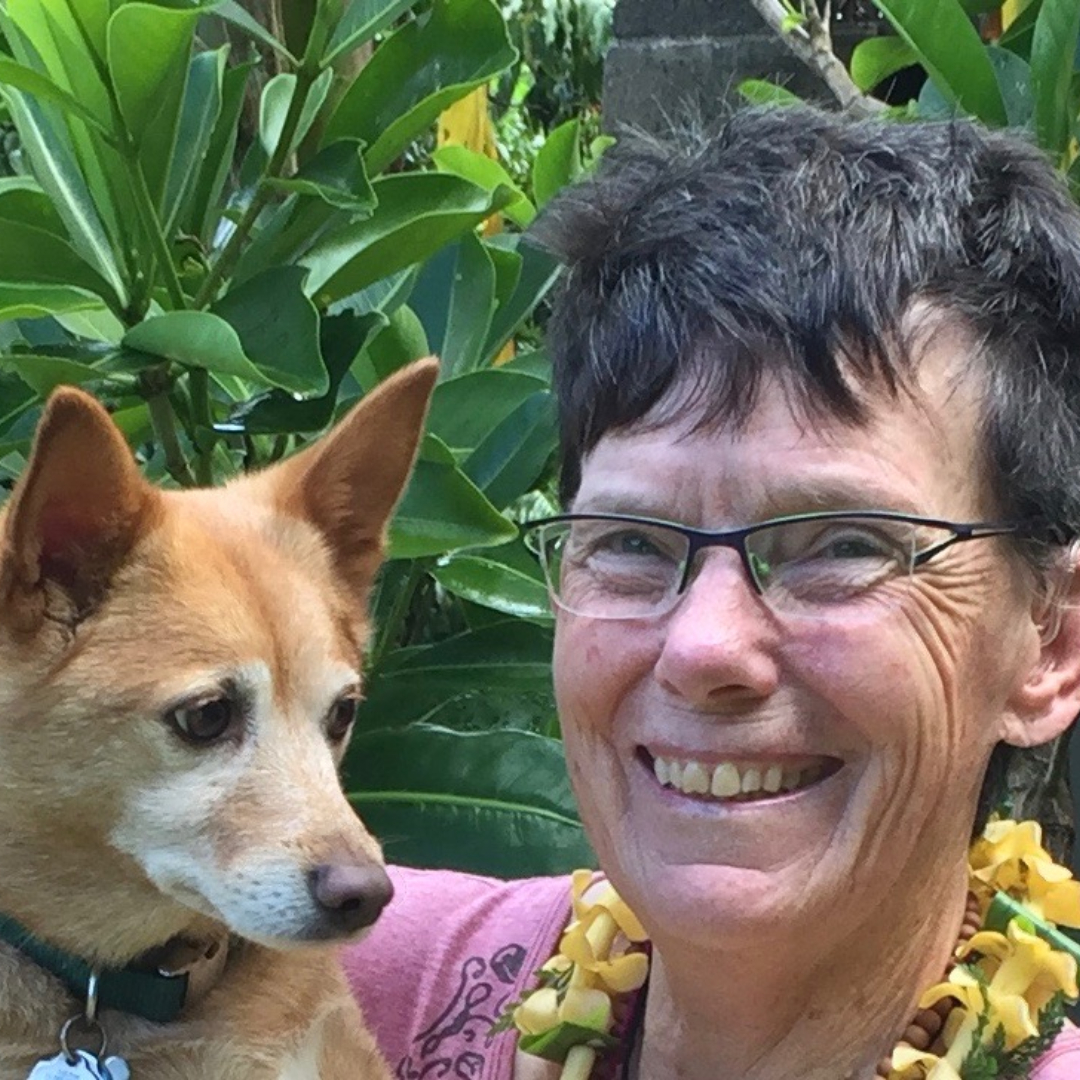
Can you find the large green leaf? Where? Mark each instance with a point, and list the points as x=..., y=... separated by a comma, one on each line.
x=149, y=52
x=1014, y=79
x=510, y=654
x=341, y=338
x=1019, y=33
x=23, y=200
x=948, y=47
x=495, y=585
x=44, y=89
x=508, y=265
x=513, y=455
x=18, y=417
x=1053, y=49
x=444, y=511
x=465, y=409
x=876, y=58
x=416, y=215
x=400, y=342
x=45, y=373
x=471, y=307
x=362, y=20
x=57, y=169
x=67, y=44
x=487, y=173
x=421, y=69
x=335, y=175
x=197, y=339
x=199, y=114
x=276, y=101
x=203, y=212
x=484, y=802
x=288, y=232
x=29, y=254
x=558, y=162
x=454, y=297
x=22, y=301
x=238, y=15
x=278, y=328
x=763, y=92
x=538, y=273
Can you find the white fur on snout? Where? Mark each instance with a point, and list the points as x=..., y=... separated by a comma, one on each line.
x=231, y=833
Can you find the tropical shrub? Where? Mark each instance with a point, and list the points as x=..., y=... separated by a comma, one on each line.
x=227, y=311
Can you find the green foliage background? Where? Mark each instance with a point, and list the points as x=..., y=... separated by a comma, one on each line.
x=229, y=286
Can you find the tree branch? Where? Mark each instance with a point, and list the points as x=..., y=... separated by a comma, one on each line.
x=812, y=44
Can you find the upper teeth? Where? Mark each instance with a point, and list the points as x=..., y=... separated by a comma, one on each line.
x=730, y=778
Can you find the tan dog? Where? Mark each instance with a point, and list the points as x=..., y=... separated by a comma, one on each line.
x=178, y=675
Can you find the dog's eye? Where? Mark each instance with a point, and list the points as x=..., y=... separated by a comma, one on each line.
x=341, y=718
x=204, y=721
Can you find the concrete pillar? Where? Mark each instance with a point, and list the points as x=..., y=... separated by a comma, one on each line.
x=669, y=54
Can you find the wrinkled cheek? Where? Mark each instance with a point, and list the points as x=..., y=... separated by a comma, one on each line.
x=580, y=676
x=596, y=666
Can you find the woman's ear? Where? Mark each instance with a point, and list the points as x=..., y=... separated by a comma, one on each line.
x=1047, y=701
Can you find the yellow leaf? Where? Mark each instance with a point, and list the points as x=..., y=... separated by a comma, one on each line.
x=468, y=123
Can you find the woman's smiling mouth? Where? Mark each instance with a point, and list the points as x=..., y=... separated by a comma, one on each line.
x=739, y=781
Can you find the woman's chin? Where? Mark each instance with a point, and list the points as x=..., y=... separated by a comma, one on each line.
x=722, y=906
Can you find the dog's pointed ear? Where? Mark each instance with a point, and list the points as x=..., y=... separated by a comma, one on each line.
x=348, y=483
x=76, y=511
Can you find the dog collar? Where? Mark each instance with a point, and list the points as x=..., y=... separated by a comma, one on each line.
x=155, y=993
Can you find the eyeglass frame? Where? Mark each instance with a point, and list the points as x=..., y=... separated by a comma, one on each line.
x=735, y=539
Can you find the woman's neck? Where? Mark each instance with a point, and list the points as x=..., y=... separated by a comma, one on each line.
x=812, y=1007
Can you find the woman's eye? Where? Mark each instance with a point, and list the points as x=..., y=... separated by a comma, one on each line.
x=203, y=722
x=342, y=716
x=852, y=546
x=629, y=544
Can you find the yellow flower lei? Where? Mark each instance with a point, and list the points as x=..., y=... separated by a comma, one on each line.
x=1009, y=984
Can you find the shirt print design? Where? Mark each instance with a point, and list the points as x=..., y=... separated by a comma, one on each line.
x=455, y=1044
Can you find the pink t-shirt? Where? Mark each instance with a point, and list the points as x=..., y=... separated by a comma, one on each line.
x=453, y=949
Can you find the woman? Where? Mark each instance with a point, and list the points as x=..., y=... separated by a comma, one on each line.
x=841, y=364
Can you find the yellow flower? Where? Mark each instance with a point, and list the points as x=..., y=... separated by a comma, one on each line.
x=607, y=899
x=543, y=1010
x=1022, y=973
x=911, y=1064
x=1025, y=973
x=959, y=1031
x=1010, y=857
x=587, y=943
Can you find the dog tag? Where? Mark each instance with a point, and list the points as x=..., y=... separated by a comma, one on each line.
x=83, y=1066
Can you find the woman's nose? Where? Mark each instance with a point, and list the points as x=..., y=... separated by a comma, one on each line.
x=719, y=648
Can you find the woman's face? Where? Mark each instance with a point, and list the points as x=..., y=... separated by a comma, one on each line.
x=884, y=713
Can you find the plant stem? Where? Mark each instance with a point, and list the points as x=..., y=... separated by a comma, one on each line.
x=164, y=421
x=230, y=254
x=144, y=202
x=199, y=382
x=812, y=44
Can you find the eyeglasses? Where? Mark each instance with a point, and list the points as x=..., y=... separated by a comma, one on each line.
x=610, y=566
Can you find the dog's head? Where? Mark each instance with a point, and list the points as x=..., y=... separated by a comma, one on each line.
x=178, y=676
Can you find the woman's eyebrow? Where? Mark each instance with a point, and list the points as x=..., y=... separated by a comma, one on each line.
x=834, y=493
x=787, y=496
x=632, y=504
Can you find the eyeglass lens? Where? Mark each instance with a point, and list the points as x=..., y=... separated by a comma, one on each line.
x=628, y=569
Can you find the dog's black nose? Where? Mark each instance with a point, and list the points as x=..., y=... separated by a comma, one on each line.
x=350, y=896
